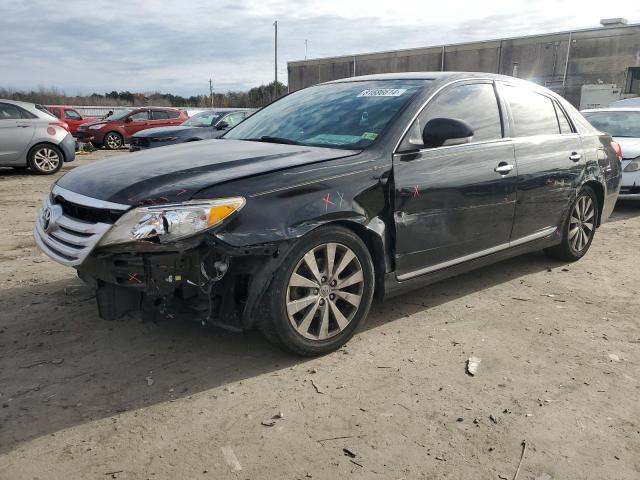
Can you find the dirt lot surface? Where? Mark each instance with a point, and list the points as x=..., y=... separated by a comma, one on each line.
x=82, y=398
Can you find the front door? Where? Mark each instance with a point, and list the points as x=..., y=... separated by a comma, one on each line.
x=550, y=161
x=138, y=121
x=451, y=204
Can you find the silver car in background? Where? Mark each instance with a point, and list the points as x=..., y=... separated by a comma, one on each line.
x=32, y=137
x=623, y=124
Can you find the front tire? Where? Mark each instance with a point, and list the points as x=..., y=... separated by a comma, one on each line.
x=579, y=228
x=321, y=293
x=45, y=159
x=113, y=141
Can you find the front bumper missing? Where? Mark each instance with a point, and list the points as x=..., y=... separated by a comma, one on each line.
x=211, y=283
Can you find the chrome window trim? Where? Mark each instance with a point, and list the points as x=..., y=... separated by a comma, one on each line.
x=472, y=256
x=85, y=201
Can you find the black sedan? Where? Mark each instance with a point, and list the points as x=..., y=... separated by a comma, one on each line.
x=334, y=194
x=202, y=126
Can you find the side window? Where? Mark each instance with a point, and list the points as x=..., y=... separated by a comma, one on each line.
x=139, y=116
x=233, y=119
x=565, y=126
x=9, y=112
x=476, y=104
x=160, y=115
x=533, y=113
x=173, y=114
x=72, y=115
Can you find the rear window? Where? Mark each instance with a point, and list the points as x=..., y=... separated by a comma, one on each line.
x=160, y=115
x=532, y=113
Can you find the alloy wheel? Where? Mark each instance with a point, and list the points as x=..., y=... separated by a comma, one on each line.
x=324, y=291
x=46, y=159
x=581, y=223
x=114, y=141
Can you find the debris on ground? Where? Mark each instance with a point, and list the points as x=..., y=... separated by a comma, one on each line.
x=349, y=453
x=317, y=387
x=524, y=449
x=231, y=459
x=149, y=381
x=472, y=365
x=613, y=357
x=493, y=418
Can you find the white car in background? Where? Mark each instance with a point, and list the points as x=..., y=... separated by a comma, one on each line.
x=623, y=124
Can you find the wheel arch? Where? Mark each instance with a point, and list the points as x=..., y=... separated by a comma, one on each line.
x=599, y=191
x=43, y=143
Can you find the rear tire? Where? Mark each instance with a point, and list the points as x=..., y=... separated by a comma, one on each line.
x=45, y=159
x=579, y=228
x=113, y=141
x=320, y=294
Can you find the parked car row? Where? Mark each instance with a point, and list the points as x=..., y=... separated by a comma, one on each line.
x=334, y=194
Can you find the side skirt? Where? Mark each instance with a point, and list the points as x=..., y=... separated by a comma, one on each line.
x=393, y=287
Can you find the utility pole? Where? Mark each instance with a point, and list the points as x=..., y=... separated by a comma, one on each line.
x=211, y=91
x=306, y=49
x=275, y=84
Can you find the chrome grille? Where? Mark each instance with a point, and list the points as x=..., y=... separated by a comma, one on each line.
x=66, y=239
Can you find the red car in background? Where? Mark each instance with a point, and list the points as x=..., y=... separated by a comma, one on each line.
x=71, y=116
x=115, y=130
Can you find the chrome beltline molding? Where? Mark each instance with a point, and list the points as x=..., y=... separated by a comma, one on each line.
x=83, y=200
x=529, y=238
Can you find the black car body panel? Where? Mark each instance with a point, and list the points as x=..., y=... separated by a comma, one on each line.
x=179, y=172
x=424, y=215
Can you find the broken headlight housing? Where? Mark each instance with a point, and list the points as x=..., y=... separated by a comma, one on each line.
x=171, y=222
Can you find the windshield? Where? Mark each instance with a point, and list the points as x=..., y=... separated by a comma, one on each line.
x=338, y=115
x=203, y=119
x=616, y=124
x=118, y=115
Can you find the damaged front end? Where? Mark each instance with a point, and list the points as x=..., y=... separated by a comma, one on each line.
x=158, y=260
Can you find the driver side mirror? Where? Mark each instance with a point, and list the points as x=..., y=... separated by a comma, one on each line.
x=222, y=126
x=440, y=132
x=128, y=120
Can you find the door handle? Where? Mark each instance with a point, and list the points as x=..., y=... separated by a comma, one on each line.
x=23, y=125
x=503, y=168
x=575, y=157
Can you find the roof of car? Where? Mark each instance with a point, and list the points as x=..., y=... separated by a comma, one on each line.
x=19, y=103
x=425, y=76
x=611, y=109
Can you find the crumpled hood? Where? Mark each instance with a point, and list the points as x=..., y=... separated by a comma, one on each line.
x=630, y=147
x=165, y=131
x=176, y=173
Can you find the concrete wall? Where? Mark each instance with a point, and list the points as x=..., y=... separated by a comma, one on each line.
x=599, y=55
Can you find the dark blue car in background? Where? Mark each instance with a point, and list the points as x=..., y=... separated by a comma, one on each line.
x=202, y=126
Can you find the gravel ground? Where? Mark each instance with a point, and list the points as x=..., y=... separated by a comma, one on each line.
x=83, y=398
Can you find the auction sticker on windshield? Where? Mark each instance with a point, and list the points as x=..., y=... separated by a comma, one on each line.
x=383, y=92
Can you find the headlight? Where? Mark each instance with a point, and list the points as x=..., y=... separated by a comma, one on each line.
x=96, y=127
x=168, y=223
x=633, y=166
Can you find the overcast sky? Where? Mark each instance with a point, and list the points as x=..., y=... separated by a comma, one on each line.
x=176, y=46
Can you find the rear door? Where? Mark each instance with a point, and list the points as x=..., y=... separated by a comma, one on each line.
x=159, y=118
x=16, y=132
x=451, y=204
x=550, y=160
x=174, y=117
